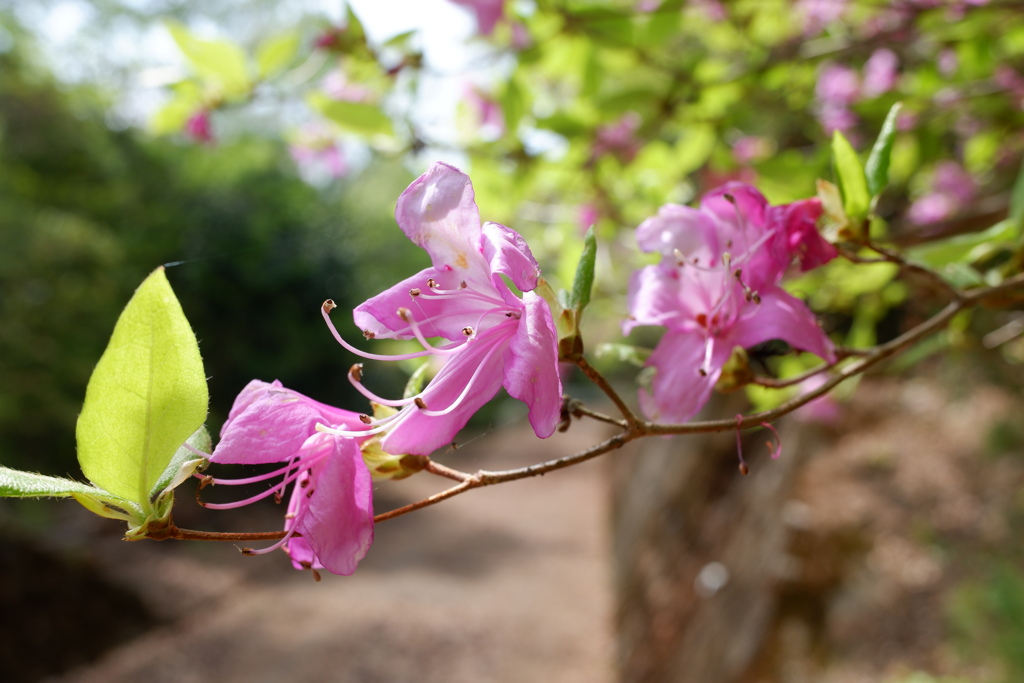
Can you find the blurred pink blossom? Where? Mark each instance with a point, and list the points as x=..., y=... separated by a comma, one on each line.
x=824, y=409
x=951, y=189
x=618, y=139
x=838, y=87
x=337, y=86
x=318, y=153
x=487, y=12
x=712, y=9
x=881, y=72
x=948, y=62
x=750, y=148
x=817, y=14
x=587, y=215
x=487, y=111
x=198, y=128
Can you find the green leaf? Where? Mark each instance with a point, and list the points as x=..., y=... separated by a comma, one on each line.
x=184, y=463
x=964, y=249
x=146, y=396
x=623, y=353
x=220, y=62
x=417, y=380
x=877, y=168
x=18, y=484
x=852, y=181
x=583, y=283
x=513, y=104
x=276, y=53
x=362, y=118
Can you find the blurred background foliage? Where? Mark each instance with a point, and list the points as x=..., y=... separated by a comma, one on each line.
x=269, y=170
x=89, y=211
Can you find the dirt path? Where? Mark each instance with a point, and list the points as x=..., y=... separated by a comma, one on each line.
x=505, y=584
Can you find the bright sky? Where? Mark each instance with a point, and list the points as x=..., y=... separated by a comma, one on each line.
x=444, y=30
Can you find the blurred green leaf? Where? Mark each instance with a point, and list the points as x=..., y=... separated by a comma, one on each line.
x=1017, y=202
x=852, y=182
x=146, y=396
x=513, y=104
x=276, y=53
x=877, y=168
x=964, y=248
x=362, y=118
x=220, y=62
x=583, y=283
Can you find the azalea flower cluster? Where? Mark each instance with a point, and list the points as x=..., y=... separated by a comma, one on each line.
x=717, y=288
x=475, y=310
x=490, y=337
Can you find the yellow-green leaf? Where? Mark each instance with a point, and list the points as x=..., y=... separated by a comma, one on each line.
x=146, y=396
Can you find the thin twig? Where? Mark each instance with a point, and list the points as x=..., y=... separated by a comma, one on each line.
x=773, y=383
x=490, y=478
x=597, y=378
x=445, y=471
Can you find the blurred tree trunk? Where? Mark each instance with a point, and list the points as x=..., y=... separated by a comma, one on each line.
x=700, y=552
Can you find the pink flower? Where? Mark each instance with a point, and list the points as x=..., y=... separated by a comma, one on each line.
x=493, y=337
x=951, y=189
x=751, y=148
x=837, y=85
x=837, y=89
x=817, y=14
x=796, y=228
x=881, y=72
x=487, y=12
x=618, y=139
x=488, y=113
x=318, y=153
x=330, y=512
x=337, y=86
x=716, y=288
x=587, y=215
x=198, y=127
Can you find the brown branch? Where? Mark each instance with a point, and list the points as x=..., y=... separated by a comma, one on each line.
x=597, y=378
x=488, y=478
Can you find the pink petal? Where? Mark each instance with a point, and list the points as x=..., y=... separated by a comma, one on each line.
x=676, y=227
x=419, y=434
x=379, y=314
x=508, y=253
x=267, y=430
x=438, y=212
x=338, y=524
x=679, y=391
x=531, y=366
x=653, y=298
x=780, y=315
x=269, y=423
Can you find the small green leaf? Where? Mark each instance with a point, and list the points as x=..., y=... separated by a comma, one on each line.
x=146, y=396
x=877, y=168
x=624, y=353
x=583, y=283
x=276, y=53
x=417, y=380
x=18, y=484
x=852, y=181
x=362, y=118
x=220, y=62
x=184, y=463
